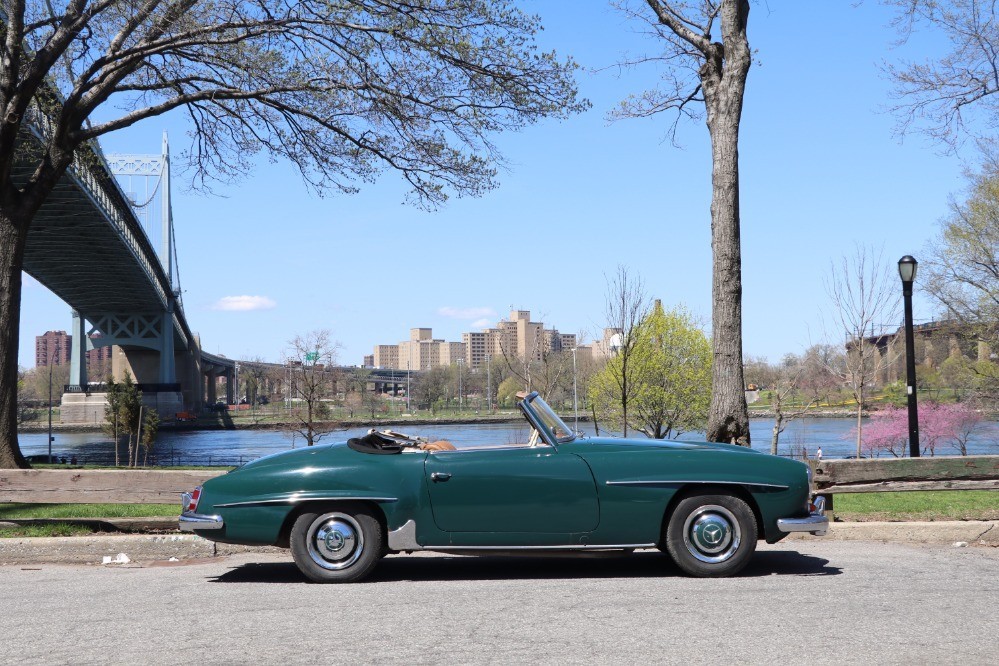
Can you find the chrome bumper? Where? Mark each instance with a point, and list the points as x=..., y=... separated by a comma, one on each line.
x=198, y=521
x=816, y=523
x=190, y=521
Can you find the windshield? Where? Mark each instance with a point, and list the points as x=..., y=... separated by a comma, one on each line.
x=550, y=420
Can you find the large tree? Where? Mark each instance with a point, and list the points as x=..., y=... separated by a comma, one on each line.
x=962, y=273
x=952, y=95
x=344, y=90
x=705, y=76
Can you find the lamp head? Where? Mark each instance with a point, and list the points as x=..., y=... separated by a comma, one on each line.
x=907, y=268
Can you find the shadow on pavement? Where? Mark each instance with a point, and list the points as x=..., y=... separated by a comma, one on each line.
x=397, y=568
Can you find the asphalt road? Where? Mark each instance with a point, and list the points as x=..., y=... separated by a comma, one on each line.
x=801, y=602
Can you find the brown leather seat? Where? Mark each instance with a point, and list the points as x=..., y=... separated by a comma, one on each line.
x=439, y=445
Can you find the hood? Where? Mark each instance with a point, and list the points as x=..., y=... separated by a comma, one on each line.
x=606, y=443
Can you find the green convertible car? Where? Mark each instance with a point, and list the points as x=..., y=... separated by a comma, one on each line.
x=342, y=507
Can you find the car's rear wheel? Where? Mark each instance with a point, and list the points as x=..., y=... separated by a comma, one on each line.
x=337, y=545
x=710, y=536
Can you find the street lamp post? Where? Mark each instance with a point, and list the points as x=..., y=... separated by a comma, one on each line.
x=461, y=365
x=575, y=401
x=489, y=383
x=907, y=271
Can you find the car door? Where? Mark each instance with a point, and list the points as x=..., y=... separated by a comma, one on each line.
x=512, y=490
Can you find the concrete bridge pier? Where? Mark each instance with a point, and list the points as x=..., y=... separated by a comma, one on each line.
x=144, y=347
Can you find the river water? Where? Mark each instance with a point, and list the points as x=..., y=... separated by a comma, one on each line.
x=233, y=447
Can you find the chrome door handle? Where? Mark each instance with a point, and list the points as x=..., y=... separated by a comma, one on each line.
x=437, y=477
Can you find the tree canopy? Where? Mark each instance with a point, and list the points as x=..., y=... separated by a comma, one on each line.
x=343, y=90
x=670, y=377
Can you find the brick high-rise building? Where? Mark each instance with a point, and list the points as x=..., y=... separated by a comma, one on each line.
x=52, y=348
x=57, y=346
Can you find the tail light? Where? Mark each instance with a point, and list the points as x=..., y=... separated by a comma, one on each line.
x=192, y=500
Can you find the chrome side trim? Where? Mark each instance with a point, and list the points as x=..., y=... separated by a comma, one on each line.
x=578, y=546
x=651, y=483
x=197, y=521
x=404, y=538
x=295, y=499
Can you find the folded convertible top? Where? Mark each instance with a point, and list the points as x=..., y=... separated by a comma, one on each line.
x=375, y=443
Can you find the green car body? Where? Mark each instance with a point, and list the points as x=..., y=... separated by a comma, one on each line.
x=567, y=492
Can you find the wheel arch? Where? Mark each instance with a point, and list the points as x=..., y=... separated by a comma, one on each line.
x=284, y=535
x=707, y=488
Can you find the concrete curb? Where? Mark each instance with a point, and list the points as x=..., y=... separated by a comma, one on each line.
x=138, y=548
x=151, y=548
x=972, y=532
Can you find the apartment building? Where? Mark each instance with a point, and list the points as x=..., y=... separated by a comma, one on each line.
x=517, y=336
x=55, y=347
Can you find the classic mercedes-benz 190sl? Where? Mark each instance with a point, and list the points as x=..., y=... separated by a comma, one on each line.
x=342, y=507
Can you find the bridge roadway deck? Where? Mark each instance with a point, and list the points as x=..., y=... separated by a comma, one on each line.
x=87, y=246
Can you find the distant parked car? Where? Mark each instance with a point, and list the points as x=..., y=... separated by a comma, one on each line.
x=340, y=508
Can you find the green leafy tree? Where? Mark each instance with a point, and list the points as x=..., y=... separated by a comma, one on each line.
x=26, y=410
x=506, y=392
x=962, y=273
x=343, y=90
x=150, y=429
x=111, y=425
x=671, y=376
x=431, y=387
x=121, y=417
x=129, y=416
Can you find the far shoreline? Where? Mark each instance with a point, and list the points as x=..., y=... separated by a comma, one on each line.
x=239, y=424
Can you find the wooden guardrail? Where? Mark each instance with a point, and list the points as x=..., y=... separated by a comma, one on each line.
x=99, y=486
x=904, y=474
x=109, y=486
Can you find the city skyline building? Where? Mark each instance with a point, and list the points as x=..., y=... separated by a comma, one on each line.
x=516, y=336
x=56, y=346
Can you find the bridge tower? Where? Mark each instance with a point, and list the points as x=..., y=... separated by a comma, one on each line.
x=151, y=346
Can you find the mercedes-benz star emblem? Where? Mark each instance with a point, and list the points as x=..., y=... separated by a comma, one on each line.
x=712, y=534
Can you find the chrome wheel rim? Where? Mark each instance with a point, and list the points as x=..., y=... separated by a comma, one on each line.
x=712, y=534
x=335, y=541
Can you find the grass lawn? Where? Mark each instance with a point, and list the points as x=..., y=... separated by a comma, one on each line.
x=30, y=511
x=69, y=512
x=918, y=505
x=54, y=529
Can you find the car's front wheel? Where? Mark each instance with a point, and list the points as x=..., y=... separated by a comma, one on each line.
x=339, y=545
x=710, y=536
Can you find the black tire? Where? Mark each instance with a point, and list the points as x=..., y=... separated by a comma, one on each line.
x=711, y=536
x=337, y=544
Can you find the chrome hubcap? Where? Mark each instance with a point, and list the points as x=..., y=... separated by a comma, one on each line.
x=335, y=541
x=712, y=534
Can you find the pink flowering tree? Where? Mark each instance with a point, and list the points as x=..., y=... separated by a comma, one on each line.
x=888, y=430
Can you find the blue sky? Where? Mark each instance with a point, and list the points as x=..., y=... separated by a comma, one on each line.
x=821, y=171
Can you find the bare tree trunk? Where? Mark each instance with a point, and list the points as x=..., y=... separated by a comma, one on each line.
x=723, y=76
x=778, y=419
x=860, y=431
x=12, y=242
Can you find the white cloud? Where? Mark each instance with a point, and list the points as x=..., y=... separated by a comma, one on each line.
x=482, y=323
x=244, y=303
x=466, y=313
